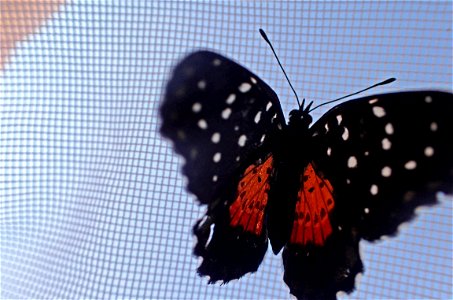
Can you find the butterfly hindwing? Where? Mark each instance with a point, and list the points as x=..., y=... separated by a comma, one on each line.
x=239, y=238
x=319, y=272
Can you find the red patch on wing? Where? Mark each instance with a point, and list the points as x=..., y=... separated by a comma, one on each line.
x=247, y=210
x=315, y=202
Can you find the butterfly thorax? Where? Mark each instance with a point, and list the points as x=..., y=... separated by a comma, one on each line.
x=293, y=147
x=296, y=138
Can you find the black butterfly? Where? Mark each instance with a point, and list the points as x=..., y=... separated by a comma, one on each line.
x=358, y=172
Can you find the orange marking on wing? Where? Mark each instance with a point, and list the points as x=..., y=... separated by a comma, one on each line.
x=314, y=204
x=247, y=210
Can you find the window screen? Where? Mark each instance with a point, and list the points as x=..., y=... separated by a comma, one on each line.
x=93, y=204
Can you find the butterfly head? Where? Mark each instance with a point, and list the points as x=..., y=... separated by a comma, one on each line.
x=301, y=117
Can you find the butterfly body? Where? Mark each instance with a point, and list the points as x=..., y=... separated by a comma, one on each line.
x=315, y=189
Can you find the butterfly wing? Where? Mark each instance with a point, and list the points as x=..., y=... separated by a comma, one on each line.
x=219, y=116
x=222, y=119
x=383, y=156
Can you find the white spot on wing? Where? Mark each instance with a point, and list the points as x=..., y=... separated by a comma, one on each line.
x=216, y=158
x=226, y=113
x=433, y=126
x=273, y=118
x=373, y=190
x=257, y=117
x=386, y=144
x=429, y=151
x=215, y=178
x=372, y=101
x=253, y=80
x=201, y=84
x=216, y=62
x=386, y=171
x=215, y=138
x=211, y=234
x=345, y=134
x=428, y=99
x=196, y=107
x=352, y=162
x=231, y=99
x=378, y=111
x=245, y=87
x=389, y=128
x=202, y=124
x=410, y=165
x=339, y=119
x=268, y=106
x=242, y=139
x=329, y=151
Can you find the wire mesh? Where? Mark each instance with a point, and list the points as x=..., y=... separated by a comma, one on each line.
x=93, y=204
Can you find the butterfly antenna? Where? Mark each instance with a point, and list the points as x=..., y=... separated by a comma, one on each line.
x=387, y=81
x=263, y=34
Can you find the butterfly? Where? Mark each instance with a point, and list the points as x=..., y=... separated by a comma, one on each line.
x=313, y=190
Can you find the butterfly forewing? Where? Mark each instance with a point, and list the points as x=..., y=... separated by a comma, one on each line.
x=220, y=117
x=385, y=155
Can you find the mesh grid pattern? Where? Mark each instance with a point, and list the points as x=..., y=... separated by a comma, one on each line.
x=93, y=204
